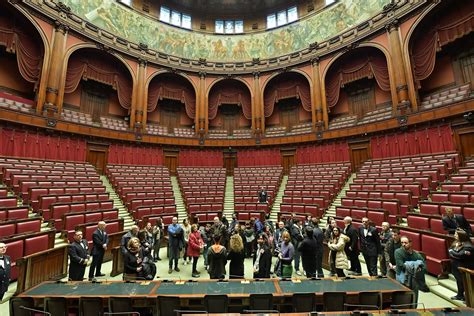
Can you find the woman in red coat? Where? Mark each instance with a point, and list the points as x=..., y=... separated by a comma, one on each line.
x=195, y=244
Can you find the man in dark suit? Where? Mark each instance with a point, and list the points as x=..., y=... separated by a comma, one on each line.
x=307, y=248
x=133, y=232
x=100, y=240
x=452, y=221
x=5, y=270
x=370, y=245
x=318, y=235
x=78, y=257
x=262, y=196
x=352, y=247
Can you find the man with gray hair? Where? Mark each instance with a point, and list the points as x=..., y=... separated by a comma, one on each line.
x=385, y=235
x=125, y=238
x=100, y=240
x=352, y=247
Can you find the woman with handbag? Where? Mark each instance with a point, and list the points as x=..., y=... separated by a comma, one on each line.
x=195, y=245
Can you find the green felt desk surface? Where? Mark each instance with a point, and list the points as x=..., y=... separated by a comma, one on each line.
x=93, y=289
x=350, y=285
x=231, y=287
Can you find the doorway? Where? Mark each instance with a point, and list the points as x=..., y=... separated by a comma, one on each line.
x=230, y=162
x=287, y=159
x=97, y=156
x=360, y=153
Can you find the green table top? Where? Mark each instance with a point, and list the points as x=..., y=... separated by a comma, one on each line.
x=232, y=287
x=94, y=289
x=350, y=285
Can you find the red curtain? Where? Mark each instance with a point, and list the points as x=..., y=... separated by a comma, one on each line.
x=230, y=95
x=285, y=90
x=159, y=90
x=200, y=158
x=323, y=153
x=424, y=141
x=258, y=157
x=135, y=155
x=30, y=144
x=81, y=67
x=352, y=69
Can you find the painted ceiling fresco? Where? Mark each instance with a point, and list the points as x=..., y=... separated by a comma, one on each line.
x=138, y=28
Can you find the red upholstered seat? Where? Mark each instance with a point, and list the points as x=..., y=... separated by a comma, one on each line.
x=8, y=202
x=374, y=204
x=36, y=244
x=78, y=207
x=71, y=221
x=468, y=212
x=376, y=217
x=108, y=215
x=456, y=209
x=440, y=196
x=19, y=213
x=312, y=209
x=414, y=237
x=7, y=229
x=15, y=251
x=342, y=211
x=298, y=209
x=93, y=217
x=89, y=231
x=426, y=208
x=285, y=208
x=29, y=226
x=460, y=198
x=436, y=253
x=360, y=203
x=358, y=214
x=113, y=227
x=418, y=222
x=436, y=225
x=347, y=202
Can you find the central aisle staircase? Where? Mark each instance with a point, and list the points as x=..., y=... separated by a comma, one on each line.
x=275, y=210
x=178, y=199
x=229, y=197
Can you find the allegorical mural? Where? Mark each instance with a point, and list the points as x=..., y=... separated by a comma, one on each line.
x=126, y=23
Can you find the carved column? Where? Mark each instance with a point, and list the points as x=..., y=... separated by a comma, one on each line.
x=139, y=108
x=317, y=104
x=398, y=66
x=51, y=108
x=202, y=107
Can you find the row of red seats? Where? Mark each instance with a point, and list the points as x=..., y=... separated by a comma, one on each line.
x=244, y=216
x=17, y=178
x=124, y=190
x=429, y=222
x=154, y=210
x=204, y=199
x=462, y=178
x=129, y=196
x=36, y=192
x=8, y=202
x=56, y=211
x=20, y=226
x=312, y=210
x=113, y=226
x=458, y=187
x=437, y=208
x=392, y=206
x=454, y=197
x=405, y=197
x=377, y=216
x=27, y=188
x=204, y=218
x=414, y=188
x=3, y=192
x=135, y=203
x=72, y=220
x=423, y=157
x=45, y=201
x=326, y=194
x=208, y=207
x=140, y=183
x=196, y=194
x=10, y=173
x=310, y=187
x=424, y=181
x=165, y=219
x=8, y=168
x=17, y=212
x=433, y=173
x=320, y=201
x=27, y=244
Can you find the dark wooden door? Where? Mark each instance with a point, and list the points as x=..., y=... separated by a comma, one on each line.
x=171, y=162
x=360, y=152
x=466, y=143
x=97, y=156
x=230, y=162
x=287, y=159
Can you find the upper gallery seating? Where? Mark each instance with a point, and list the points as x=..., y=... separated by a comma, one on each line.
x=343, y=121
x=154, y=129
x=143, y=187
x=275, y=131
x=302, y=128
x=203, y=190
x=16, y=103
x=184, y=132
x=311, y=188
x=445, y=97
x=247, y=183
x=77, y=117
x=111, y=123
x=217, y=133
x=379, y=114
x=242, y=133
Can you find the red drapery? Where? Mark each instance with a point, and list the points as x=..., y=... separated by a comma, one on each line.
x=424, y=141
x=135, y=155
x=203, y=158
x=170, y=90
x=28, y=53
x=101, y=71
x=287, y=89
x=30, y=144
x=323, y=153
x=452, y=26
x=258, y=157
x=230, y=95
x=374, y=66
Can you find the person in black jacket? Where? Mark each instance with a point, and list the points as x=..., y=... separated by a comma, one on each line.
x=217, y=259
x=370, y=245
x=78, y=257
x=318, y=236
x=462, y=255
x=136, y=263
x=262, y=259
x=100, y=240
x=5, y=270
x=451, y=222
x=296, y=233
x=307, y=249
x=352, y=247
x=236, y=255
